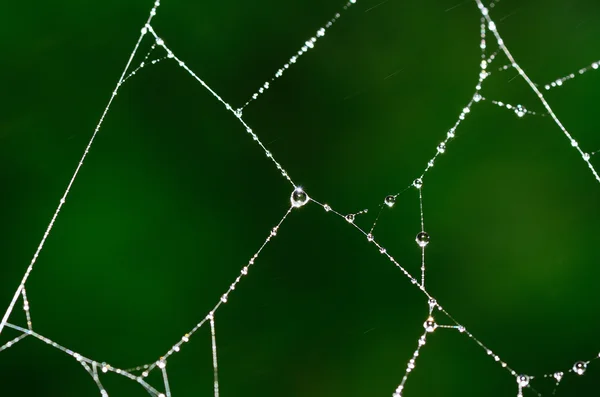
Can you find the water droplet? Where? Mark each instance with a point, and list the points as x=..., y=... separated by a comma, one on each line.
x=579, y=367
x=523, y=380
x=390, y=201
x=432, y=303
x=350, y=218
x=441, y=148
x=586, y=156
x=326, y=207
x=477, y=97
x=429, y=324
x=558, y=376
x=298, y=198
x=224, y=298
x=161, y=363
x=461, y=329
x=418, y=183
x=422, y=239
x=370, y=237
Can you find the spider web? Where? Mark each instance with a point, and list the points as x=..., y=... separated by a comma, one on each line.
x=169, y=209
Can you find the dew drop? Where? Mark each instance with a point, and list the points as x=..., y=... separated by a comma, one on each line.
x=430, y=324
x=422, y=239
x=558, y=376
x=441, y=148
x=418, y=183
x=327, y=207
x=370, y=237
x=477, y=97
x=298, y=198
x=350, y=218
x=580, y=367
x=390, y=201
x=523, y=380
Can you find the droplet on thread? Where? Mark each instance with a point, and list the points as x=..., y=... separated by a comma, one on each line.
x=523, y=380
x=390, y=201
x=298, y=198
x=430, y=324
x=422, y=239
x=580, y=367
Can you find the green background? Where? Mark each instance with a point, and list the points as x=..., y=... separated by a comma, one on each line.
x=175, y=197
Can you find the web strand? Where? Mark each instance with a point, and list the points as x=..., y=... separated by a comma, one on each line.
x=70, y=184
x=213, y=339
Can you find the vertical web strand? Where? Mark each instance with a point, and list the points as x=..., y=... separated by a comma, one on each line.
x=213, y=339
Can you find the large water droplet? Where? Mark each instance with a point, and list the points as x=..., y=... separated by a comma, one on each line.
x=418, y=183
x=422, y=239
x=430, y=324
x=580, y=367
x=390, y=201
x=299, y=197
x=523, y=380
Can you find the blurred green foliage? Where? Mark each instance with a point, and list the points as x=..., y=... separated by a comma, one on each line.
x=175, y=196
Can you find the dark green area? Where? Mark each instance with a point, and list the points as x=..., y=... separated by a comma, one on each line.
x=175, y=197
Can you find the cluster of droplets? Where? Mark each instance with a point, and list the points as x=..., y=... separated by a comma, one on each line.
x=308, y=45
x=519, y=110
x=559, y=82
